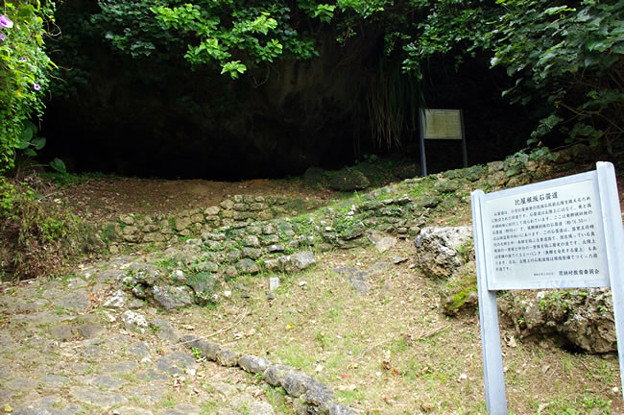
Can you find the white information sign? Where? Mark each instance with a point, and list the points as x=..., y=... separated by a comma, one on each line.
x=562, y=233
x=546, y=237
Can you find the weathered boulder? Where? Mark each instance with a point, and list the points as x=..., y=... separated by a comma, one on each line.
x=299, y=261
x=582, y=318
x=274, y=374
x=440, y=251
x=207, y=349
x=297, y=383
x=227, y=357
x=247, y=266
x=171, y=298
x=313, y=175
x=134, y=321
x=459, y=293
x=348, y=180
x=253, y=364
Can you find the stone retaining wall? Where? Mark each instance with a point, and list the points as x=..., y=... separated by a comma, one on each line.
x=241, y=236
x=160, y=230
x=345, y=224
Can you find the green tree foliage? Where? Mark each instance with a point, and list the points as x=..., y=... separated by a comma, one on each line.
x=233, y=35
x=566, y=59
x=24, y=74
x=570, y=58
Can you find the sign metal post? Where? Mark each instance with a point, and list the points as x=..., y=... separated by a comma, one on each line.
x=561, y=233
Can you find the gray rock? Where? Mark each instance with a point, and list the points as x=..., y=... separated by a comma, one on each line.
x=171, y=298
x=253, y=364
x=227, y=357
x=272, y=264
x=256, y=407
x=438, y=249
x=247, y=266
x=106, y=382
x=339, y=409
x=183, y=409
x=62, y=332
x=175, y=363
x=348, y=180
x=164, y=330
x=446, y=186
x=297, y=384
x=382, y=242
x=103, y=399
x=123, y=367
x=140, y=349
x=276, y=248
x=117, y=300
x=207, y=349
x=300, y=261
x=251, y=241
x=77, y=300
x=53, y=381
x=208, y=266
x=273, y=374
x=202, y=283
x=459, y=293
x=582, y=317
x=90, y=331
x=234, y=255
x=319, y=395
x=225, y=389
x=252, y=253
x=181, y=223
x=427, y=202
x=49, y=405
x=126, y=219
x=130, y=410
x=134, y=321
x=474, y=173
x=352, y=231
x=20, y=384
x=190, y=340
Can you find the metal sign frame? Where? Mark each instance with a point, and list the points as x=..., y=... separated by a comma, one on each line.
x=446, y=117
x=603, y=184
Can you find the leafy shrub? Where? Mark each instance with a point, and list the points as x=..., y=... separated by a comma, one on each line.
x=24, y=68
x=39, y=234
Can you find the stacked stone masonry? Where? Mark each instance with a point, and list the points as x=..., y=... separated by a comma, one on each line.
x=256, y=224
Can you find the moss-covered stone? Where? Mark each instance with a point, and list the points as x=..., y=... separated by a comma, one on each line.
x=459, y=294
x=348, y=180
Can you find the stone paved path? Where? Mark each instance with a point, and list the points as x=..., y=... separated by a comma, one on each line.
x=63, y=352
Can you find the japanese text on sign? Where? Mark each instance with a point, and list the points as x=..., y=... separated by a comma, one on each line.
x=552, y=235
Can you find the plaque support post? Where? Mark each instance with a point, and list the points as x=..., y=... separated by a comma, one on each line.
x=463, y=132
x=614, y=234
x=495, y=396
x=423, y=155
